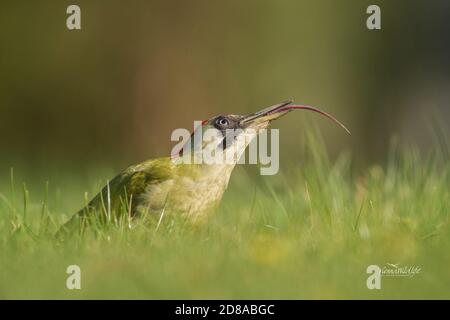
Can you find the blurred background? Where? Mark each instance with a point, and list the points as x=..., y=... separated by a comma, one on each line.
x=112, y=92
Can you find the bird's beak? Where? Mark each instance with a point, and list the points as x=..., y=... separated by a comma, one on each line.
x=269, y=114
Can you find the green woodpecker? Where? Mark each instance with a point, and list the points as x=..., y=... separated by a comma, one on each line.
x=172, y=184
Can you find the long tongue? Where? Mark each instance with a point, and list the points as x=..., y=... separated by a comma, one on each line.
x=329, y=116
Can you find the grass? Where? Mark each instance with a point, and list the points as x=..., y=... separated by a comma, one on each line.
x=309, y=232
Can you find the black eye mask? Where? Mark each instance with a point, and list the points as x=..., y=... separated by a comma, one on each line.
x=232, y=125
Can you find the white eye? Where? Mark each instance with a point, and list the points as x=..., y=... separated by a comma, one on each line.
x=222, y=122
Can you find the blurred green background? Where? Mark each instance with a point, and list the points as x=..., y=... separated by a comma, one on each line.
x=114, y=91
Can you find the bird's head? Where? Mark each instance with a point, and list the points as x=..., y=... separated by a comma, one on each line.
x=227, y=136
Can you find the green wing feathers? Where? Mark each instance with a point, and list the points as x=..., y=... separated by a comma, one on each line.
x=123, y=194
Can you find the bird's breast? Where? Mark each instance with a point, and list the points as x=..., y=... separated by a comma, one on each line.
x=193, y=195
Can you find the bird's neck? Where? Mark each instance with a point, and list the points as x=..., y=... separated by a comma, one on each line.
x=208, y=171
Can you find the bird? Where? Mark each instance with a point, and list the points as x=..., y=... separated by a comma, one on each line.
x=176, y=184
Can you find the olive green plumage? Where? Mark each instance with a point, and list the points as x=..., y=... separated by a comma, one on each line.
x=126, y=187
x=151, y=186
